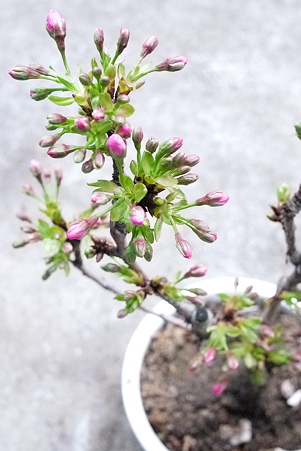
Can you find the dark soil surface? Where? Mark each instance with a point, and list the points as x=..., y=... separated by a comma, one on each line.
x=187, y=416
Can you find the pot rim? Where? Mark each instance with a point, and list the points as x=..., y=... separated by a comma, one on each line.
x=139, y=342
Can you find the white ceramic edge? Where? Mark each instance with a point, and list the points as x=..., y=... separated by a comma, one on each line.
x=130, y=380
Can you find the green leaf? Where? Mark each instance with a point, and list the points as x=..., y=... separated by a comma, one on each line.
x=134, y=167
x=61, y=101
x=148, y=233
x=130, y=254
x=158, y=227
x=121, y=70
x=102, y=127
x=139, y=192
x=166, y=180
x=44, y=228
x=278, y=357
x=51, y=247
x=119, y=210
x=106, y=102
x=148, y=163
x=106, y=186
x=127, y=183
x=126, y=110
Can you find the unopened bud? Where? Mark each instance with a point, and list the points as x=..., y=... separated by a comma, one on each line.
x=182, y=170
x=28, y=189
x=191, y=160
x=111, y=72
x=98, y=159
x=125, y=131
x=84, y=79
x=58, y=173
x=20, y=72
x=23, y=217
x=104, y=81
x=56, y=27
x=172, y=64
x=121, y=314
x=210, y=354
x=111, y=267
x=221, y=386
x=117, y=146
x=183, y=246
x=232, y=361
x=60, y=151
x=199, y=225
x=187, y=179
x=49, y=140
x=40, y=93
x=137, y=215
x=149, y=46
x=151, y=145
x=123, y=98
x=83, y=124
x=101, y=198
x=213, y=199
x=283, y=192
x=137, y=136
x=80, y=227
x=98, y=114
x=18, y=244
x=206, y=236
x=36, y=168
x=39, y=68
x=79, y=156
x=87, y=166
x=97, y=72
x=99, y=39
x=56, y=119
x=123, y=40
x=139, y=245
x=196, y=271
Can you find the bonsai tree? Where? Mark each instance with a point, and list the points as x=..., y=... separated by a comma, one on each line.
x=125, y=214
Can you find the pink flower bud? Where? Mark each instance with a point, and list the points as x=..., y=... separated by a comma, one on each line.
x=137, y=215
x=210, y=354
x=266, y=331
x=83, y=124
x=23, y=217
x=183, y=246
x=149, y=46
x=121, y=314
x=213, y=199
x=98, y=159
x=20, y=72
x=87, y=166
x=119, y=119
x=99, y=39
x=137, y=135
x=28, y=189
x=219, y=388
x=123, y=40
x=191, y=160
x=56, y=119
x=187, y=179
x=125, y=131
x=39, y=68
x=139, y=245
x=199, y=225
x=79, y=156
x=173, y=64
x=36, y=168
x=60, y=151
x=80, y=227
x=47, y=175
x=101, y=198
x=196, y=271
x=49, y=140
x=151, y=145
x=56, y=27
x=84, y=79
x=116, y=146
x=98, y=114
x=67, y=248
x=232, y=361
x=207, y=237
x=58, y=173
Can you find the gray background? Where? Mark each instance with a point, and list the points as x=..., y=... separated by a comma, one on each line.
x=61, y=345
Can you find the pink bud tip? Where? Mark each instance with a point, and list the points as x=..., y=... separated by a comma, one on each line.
x=232, y=361
x=98, y=114
x=56, y=27
x=125, y=131
x=140, y=246
x=214, y=199
x=116, y=145
x=80, y=227
x=219, y=388
x=137, y=215
x=210, y=354
x=196, y=271
x=83, y=124
x=149, y=46
x=183, y=246
x=36, y=168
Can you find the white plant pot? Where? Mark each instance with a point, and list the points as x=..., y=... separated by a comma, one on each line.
x=138, y=346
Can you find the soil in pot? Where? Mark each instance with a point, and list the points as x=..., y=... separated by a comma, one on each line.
x=187, y=416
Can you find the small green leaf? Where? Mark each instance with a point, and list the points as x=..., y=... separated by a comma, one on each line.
x=148, y=233
x=106, y=186
x=51, y=247
x=130, y=254
x=125, y=110
x=166, y=180
x=61, y=101
x=106, y=102
x=134, y=168
x=278, y=357
x=121, y=70
x=102, y=127
x=158, y=227
x=127, y=183
x=140, y=191
x=148, y=163
x=119, y=210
